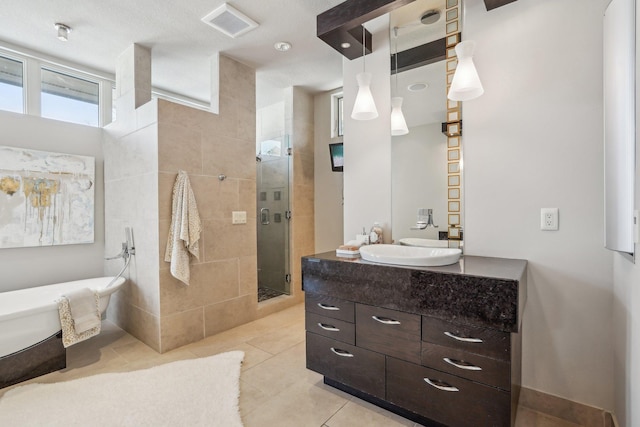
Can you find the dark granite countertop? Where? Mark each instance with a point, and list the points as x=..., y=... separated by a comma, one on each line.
x=481, y=291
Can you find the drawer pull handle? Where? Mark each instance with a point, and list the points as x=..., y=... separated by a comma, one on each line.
x=462, y=365
x=341, y=353
x=463, y=339
x=385, y=320
x=441, y=385
x=328, y=327
x=328, y=307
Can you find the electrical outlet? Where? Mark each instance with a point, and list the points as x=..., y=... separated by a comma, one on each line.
x=239, y=217
x=549, y=219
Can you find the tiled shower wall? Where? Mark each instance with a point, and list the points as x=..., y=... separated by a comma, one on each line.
x=143, y=158
x=143, y=152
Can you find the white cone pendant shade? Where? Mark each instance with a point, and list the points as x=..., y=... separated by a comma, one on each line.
x=364, y=107
x=466, y=84
x=398, y=123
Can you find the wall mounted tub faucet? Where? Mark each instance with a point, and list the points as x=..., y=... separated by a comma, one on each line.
x=128, y=250
x=425, y=219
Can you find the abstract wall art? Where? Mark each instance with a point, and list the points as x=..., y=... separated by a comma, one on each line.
x=45, y=198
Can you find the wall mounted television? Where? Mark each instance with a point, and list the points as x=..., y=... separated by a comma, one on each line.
x=337, y=156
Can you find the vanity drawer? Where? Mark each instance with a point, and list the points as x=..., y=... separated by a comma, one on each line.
x=484, y=341
x=493, y=372
x=447, y=399
x=389, y=332
x=331, y=328
x=347, y=364
x=328, y=306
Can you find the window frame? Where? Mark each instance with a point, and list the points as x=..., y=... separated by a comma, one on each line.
x=32, y=66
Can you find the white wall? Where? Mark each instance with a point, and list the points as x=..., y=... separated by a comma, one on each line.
x=27, y=267
x=534, y=140
x=419, y=180
x=367, y=144
x=328, y=191
x=626, y=306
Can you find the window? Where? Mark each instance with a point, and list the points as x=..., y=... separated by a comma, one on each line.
x=70, y=99
x=337, y=115
x=11, y=85
x=340, y=115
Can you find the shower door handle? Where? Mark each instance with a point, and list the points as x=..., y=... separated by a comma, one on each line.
x=264, y=216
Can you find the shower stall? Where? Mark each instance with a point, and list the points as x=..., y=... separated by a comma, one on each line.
x=273, y=163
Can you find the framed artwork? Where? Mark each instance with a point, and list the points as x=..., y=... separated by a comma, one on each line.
x=45, y=198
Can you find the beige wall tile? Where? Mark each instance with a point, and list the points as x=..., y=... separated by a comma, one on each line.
x=137, y=322
x=181, y=115
x=237, y=81
x=247, y=197
x=177, y=297
x=216, y=199
x=303, y=200
x=224, y=155
x=247, y=124
x=179, y=148
x=303, y=168
x=181, y=329
x=218, y=280
x=248, y=275
x=166, y=181
x=223, y=240
x=228, y=314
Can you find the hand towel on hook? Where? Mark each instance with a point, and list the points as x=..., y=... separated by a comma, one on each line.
x=184, y=233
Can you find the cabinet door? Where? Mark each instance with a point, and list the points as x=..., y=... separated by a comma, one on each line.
x=446, y=398
x=484, y=341
x=472, y=366
x=347, y=364
x=324, y=305
x=390, y=332
x=330, y=328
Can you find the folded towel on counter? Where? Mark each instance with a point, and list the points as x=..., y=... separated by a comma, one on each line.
x=79, y=312
x=184, y=233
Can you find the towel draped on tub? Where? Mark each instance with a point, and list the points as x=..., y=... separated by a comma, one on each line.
x=79, y=315
x=184, y=233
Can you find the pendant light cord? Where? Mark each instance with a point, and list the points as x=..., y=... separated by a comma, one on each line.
x=364, y=53
x=395, y=33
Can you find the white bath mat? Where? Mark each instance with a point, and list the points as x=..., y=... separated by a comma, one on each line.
x=197, y=392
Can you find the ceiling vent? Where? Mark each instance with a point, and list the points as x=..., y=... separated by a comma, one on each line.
x=230, y=21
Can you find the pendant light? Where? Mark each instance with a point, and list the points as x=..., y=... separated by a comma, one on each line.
x=364, y=107
x=466, y=84
x=398, y=123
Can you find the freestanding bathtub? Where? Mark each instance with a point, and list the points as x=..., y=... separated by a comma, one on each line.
x=30, y=316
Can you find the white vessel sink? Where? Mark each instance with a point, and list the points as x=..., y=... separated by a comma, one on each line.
x=410, y=255
x=425, y=243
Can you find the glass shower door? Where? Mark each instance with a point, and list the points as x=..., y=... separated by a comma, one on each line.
x=272, y=180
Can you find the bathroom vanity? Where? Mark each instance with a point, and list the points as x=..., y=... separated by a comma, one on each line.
x=437, y=345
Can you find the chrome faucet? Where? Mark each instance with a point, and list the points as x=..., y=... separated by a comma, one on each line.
x=425, y=219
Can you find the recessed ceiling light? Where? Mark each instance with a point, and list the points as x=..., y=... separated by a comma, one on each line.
x=430, y=17
x=345, y=45
x=282, y=46
x=63, y=31
x=417, y=87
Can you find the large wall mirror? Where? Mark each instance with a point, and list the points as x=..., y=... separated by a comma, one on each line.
x=424, y=163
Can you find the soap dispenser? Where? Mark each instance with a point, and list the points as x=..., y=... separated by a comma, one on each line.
x=375, y=235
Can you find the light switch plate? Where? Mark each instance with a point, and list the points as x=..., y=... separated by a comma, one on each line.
x=239, y=217
x=549, y=219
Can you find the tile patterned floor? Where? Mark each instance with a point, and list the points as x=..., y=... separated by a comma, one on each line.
x=276, y=388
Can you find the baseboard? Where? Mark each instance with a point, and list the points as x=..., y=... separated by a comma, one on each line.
x=567, y=410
